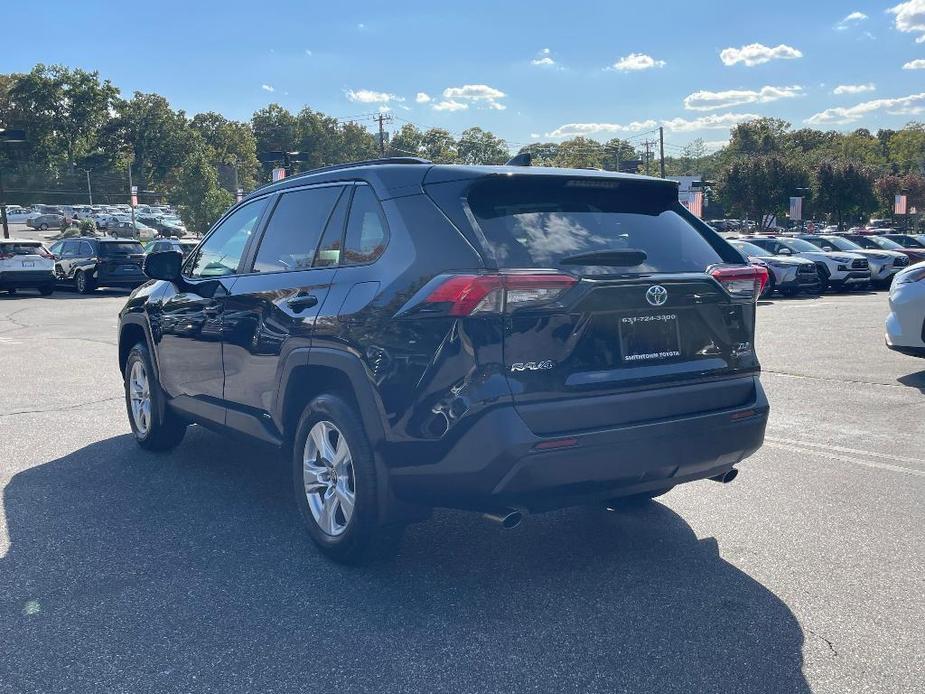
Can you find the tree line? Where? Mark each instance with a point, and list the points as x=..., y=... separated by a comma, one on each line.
x=80, y=126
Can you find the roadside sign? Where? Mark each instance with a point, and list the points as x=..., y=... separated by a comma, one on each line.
x=796, y=209
x=239, y=194
x=134, y=202
x=279, y=173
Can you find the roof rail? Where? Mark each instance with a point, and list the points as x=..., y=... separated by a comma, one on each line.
x=369, y=162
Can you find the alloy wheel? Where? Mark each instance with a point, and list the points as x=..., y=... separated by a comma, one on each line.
x=328, y=477
x=140, y=397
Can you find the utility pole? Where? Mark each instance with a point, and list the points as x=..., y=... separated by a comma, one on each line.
x=130, y=189
x=382, y=118
x=7, y=136
x=6, y=228
x=661, y=151
x=648, y=144
x=89, y=189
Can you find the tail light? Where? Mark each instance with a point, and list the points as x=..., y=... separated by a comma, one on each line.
x=466, y=295
x=742, y=282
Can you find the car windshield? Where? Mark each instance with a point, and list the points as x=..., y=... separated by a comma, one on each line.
x=798, y=245
x=540, y=223
x=885, y=244
x=121, y=248
x=842, y=244
x=751, y=249
x=908, y=242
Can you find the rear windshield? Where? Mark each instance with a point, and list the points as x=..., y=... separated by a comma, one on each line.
x=536, y=222
x=20, y=248
x=121, y=248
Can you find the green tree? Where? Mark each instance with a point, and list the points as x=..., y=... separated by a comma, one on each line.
x=197, y=192
x=439, y=146
x=542, y=153
x=407, y=142
x=761, y=136
x=843, y=190
x=615, y=153
x=580, y=153
x=760, y=186
x=233, y=146
x=907, y=148
x=477, y=146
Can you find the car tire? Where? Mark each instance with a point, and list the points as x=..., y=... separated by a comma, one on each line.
x=47, y=290
x=84, y=283
x=154, y=426
x=335, y=483
x=43, y=227
x=637, y=499
x=768, y=288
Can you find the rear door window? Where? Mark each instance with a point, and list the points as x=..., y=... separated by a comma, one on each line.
x=293, y=232
x=367, y=233
x=537, y=222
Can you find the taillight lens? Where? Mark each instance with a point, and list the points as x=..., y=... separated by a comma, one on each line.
x=742, y=282
x=466, y=295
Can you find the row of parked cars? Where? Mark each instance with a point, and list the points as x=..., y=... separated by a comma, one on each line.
x=149, y=220
x=83, y=263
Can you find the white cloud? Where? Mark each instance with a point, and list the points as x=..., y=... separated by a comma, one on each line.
x=910, y=18
x=544, y=58
x=471, y=93
x=905, y=105
x=450, y=105
x=854, y=88
x=361, y=26
x=757, y=53
x=369, y=96
x=534, y=136
x=714, y=121
x=850, y=20
x=636, y=61
x=918, y=64
x=709, y=101
x=422, y=97
x=711, y=146
x=586, y=129
x=267, y=87
x=308, y=51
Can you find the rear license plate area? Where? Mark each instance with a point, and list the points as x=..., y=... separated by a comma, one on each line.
x=28, y=263
x=650, y=337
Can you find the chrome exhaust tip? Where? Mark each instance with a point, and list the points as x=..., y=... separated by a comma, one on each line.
x=726, y=477
x=507, y=518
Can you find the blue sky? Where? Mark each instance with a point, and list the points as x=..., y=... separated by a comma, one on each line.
x=525, y=70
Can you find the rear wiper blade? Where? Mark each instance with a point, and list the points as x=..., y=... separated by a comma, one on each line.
x=627, y=257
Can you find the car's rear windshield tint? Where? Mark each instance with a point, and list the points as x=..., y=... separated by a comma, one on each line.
x=535, y=222
x=20, y=248
x=118, y=248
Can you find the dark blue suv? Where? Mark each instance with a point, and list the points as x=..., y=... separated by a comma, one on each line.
x=501, y=339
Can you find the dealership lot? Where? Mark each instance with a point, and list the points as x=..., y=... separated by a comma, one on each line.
x=126, y=571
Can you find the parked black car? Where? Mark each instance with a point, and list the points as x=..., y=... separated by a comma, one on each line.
x=88, y=263
x=499, y=339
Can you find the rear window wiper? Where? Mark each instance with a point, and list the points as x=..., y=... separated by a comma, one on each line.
x=627, y=257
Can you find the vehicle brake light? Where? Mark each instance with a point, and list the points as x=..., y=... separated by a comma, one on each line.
x=742, y=282
x=466, y=295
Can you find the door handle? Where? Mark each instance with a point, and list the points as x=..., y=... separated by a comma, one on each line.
x=301, y=302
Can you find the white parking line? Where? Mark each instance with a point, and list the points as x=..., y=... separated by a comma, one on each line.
x=797, y=447
x=843, y=449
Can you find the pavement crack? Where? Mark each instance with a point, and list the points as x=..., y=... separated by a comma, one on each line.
x=823, y=638
x=65, y=408
x=832, y=380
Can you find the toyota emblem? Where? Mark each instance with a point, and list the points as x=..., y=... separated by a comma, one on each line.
x=656, y=295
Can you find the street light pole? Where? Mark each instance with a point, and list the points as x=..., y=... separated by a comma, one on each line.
x=7, y=136
x=89, y=190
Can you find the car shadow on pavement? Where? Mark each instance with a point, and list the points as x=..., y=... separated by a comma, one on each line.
x=914, y=380
x=129, y=571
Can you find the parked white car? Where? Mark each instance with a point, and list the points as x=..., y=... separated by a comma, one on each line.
x=17, y=215
x=905, y=326
x=837, y=269
x=26, y=265
x=883, y=264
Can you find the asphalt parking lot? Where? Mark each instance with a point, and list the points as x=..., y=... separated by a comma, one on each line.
x=126, y=571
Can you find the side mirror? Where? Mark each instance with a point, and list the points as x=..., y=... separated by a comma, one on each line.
x=163, y=265
x=784, y=251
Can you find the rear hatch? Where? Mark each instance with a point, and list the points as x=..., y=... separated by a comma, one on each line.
x=24, y=256
x=621, y=307
x=121, y=257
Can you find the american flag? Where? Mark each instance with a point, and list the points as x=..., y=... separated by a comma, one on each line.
x=900, y=206
x=696, y=204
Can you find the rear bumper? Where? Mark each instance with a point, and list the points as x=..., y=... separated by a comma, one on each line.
x=496, y=463
x=26, y=280
x=120, y=279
